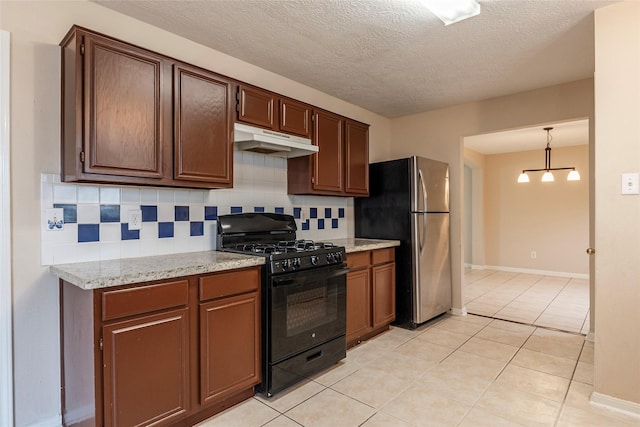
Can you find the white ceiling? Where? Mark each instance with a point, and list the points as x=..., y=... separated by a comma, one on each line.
x=395, y=58
x=392, y=57
x=563, y=134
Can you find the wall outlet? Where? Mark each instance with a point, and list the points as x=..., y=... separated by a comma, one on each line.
x=534, y=255
x=135, y=220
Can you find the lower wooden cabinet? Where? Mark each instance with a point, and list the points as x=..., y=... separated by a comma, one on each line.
x=371, y=293
x=146, y=369
x=163, y=353
x=229, y=343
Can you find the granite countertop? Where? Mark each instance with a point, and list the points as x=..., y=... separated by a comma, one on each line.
x=103, y=274
x=359, y=245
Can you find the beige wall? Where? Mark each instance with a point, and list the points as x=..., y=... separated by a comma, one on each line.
x=36, y=29
x=439, y=134
x=617, y=237
x=551, y=219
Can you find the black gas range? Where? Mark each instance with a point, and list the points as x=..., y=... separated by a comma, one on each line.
x=303, y=296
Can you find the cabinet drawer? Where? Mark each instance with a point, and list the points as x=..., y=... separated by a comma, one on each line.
x=358, y=259
x=144, y=299
x=381, y=256
x=226, y=284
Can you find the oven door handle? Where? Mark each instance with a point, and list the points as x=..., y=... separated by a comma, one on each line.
x=314, y=274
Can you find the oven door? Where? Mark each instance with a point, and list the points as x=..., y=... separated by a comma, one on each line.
x=308, y=308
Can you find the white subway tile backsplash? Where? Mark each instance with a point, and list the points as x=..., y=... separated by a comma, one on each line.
x=110, y=232
x=88, y=213
x=110, y=250
x=130, y=196
x=260, y=184
x=88, y=194
x=181, y=197
x=65, y=253
x=181, y=230
x=109, y=195
x=148, y=196
x=89, y=252
x=64, y=193
x=166, y=213
x=196, y=212
x=197, y=196
x=166, y=196
x=149, y=231
x=130, y=248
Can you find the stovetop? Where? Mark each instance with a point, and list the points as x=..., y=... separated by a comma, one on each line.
x=290, y=256
x=274, y=236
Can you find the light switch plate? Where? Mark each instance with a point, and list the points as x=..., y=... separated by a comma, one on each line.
x=630, y=183
x=135, y=220
x=54, y=219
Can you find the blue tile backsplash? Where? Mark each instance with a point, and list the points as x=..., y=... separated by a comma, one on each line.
x=177, y=220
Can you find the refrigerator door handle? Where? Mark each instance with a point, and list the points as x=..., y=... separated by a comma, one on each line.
x=424, y=210
x=424, y=191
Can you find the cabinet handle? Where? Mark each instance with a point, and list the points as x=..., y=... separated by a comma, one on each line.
x=591, y=251
x=314, y=356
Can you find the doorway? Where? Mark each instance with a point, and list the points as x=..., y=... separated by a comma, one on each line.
x=525, y=243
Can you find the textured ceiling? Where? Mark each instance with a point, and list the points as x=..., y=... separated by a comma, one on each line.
x=392, y=57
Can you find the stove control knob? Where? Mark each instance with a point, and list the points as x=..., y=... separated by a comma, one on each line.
x=314, y=260
x=331, y=258
x=296, y=262
x=286, y=264
x=339, y=256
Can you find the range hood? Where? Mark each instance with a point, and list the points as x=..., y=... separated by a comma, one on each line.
x=264, y=141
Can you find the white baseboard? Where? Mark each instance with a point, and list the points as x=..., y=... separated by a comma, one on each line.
x=459, y=311
x=539, y=272
x=591, y=336
x=613, y=403
x=477, y=267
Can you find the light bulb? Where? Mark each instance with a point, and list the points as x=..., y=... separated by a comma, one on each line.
x=547, y=177
x=523, y=177
x=574, y=175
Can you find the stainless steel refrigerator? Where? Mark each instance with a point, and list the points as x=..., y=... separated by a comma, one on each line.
x=409, y=201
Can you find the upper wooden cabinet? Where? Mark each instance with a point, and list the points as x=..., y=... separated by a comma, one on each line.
x=266, y=109
x=118, y=118
x=203, y=149
x=356, y=158
x=341, y=167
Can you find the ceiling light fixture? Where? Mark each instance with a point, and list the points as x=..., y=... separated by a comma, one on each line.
x=574, y=175
x=452, y=11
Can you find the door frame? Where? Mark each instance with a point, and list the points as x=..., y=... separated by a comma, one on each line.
x=6, y=336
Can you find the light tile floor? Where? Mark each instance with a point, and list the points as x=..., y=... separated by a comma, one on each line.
x=553, y=302
x=452, y=371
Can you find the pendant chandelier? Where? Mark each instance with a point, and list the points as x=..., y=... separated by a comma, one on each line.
x=574, y=175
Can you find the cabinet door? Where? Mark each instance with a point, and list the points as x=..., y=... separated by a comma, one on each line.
x=125, y=110
x=146, y=369
x=256, y=106
x=356, y=158
x=384, y=294
x=295, y=117
x=203, y=105
x=329, y=161
x=229, y=346
x=358, y=304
